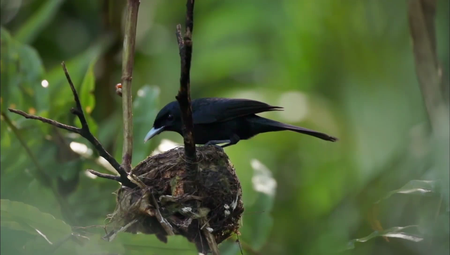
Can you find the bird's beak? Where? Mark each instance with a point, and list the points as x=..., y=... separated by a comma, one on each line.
x=153, y=132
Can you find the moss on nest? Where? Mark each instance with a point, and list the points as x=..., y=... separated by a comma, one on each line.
x=182, y=199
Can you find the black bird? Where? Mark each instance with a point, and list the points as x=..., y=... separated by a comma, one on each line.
x=224, y=121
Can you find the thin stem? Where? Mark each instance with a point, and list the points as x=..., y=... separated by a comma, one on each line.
x=78, y=111
x=421, y=16
x=209, y=237
x=48, y=121
x=105, y=176
x=184, y=95
x=164, y=223
x=127, y=74
x=184, y=100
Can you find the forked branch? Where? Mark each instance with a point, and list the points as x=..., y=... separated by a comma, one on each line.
x=184, y=94
x=184, y=100
x=84, y=132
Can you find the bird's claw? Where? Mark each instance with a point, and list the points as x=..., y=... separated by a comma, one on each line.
x=213, y=143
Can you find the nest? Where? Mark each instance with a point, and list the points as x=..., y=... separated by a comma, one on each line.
x=183, y=202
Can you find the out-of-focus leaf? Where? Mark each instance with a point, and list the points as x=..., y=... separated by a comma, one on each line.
x=23, y=217
x=124, y=243
x=59, y=88
x=409, y=233
x=87, y=99
x=440, y=157
x=12, y=241
x=257, y=222
x=34, y=25
x=63, y=245
x=229, y=247
x=145, y=108
x=140, y=243
x=7, y=67
x=32, y=71
x=414, y=187
x=22, y=72
x=9, y=223
x=14, y=163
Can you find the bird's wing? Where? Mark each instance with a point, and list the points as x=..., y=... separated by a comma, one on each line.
x=210, y=110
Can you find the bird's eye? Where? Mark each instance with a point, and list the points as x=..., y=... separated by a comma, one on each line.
x=170, y=117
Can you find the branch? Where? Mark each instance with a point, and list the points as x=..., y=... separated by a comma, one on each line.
x=105, y=176
x=127, y=74
x=184, y=100
x=164, y=223
x=209, y=237
x=421, y=15
x=184, y=95
x=83, y=131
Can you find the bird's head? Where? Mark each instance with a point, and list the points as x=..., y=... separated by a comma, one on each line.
x=168, y=119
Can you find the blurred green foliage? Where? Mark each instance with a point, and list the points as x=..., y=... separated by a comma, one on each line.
x=342, y=67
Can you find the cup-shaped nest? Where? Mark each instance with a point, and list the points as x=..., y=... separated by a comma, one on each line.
x=171, y=199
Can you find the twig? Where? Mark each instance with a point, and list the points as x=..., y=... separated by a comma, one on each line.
x=127, y=74
x=42, y=176
x=184, y=100
x=105, y=176
x=164, y=223
x=45, y=120
x=132, y=177
x=421, y=15
x=184, y=96
x=148, y=204
x=113, y=234
x=209, y=237
x=238, y=241
x=83, y=131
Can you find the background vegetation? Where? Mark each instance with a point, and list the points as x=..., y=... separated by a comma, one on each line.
x=342, y=67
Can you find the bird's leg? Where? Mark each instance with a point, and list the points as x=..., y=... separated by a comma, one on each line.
x=234, y=139
x=216, y=142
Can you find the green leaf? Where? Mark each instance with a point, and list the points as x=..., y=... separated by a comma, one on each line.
x=414, y=187
x=34, y=25
x=124, y=243
x=86, y=90
x=12, y=241
x=87, y=99
x=145, y=108
x=26, y=218
x=229, y=247
x=258, y=222
x=409, y=233
x=140, y=244
x=18, y=226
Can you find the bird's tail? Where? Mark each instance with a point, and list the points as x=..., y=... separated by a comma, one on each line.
x=267, y=125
